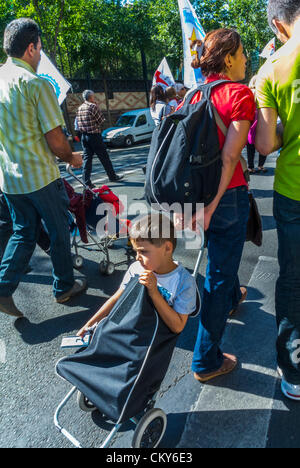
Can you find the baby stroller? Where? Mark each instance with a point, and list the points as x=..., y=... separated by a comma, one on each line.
x=84, y=208
x=121, y=370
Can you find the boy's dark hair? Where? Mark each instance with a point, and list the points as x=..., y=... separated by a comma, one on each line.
x=154, y=228
x=18, y=35
x=284, y=10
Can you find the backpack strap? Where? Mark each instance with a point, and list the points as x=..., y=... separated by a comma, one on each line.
x=224, y=130
x=205, y=89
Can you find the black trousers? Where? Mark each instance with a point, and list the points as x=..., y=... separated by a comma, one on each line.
x=92, y=143
x=251, y=155
x=6, y=229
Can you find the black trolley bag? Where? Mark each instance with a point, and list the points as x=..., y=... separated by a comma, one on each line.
x=127, y=360
x=184, y=163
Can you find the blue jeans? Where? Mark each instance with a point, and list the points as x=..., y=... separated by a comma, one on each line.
x=5, y=225
x=50, y=204
x=92, y=143
x=287, y=297
x=226, y=236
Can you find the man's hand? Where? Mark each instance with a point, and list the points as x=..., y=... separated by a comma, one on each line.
x=76, y=160
x=148, y=279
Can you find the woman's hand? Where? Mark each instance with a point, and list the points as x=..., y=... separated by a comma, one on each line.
x=208, y=213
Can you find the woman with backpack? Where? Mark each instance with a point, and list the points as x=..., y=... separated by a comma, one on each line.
x=158, y=104
x=226, y=217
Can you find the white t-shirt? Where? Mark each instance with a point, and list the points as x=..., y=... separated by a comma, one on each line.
x=161, y=110
x=178, y=288
x=173, y=103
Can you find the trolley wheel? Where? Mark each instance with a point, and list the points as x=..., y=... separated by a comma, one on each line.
x=84, y=404
x=150, y=429
x=78, y=261
x=106, y=268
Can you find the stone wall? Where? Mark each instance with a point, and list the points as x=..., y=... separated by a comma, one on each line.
x=121, y=102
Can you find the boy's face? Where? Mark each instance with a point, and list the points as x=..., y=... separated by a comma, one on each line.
x=150, y=256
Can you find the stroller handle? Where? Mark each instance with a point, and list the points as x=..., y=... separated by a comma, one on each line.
x=70, y=171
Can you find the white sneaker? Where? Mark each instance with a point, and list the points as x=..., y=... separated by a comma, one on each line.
x=290, y=391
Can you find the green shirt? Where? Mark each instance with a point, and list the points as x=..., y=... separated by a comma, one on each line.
x=278, y=87
x=28, y=109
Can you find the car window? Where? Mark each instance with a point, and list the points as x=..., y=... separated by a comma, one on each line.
x=141, y=120
x=125, y=121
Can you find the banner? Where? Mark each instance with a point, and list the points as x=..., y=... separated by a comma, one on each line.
x=163, y=75
x=191, y=31
x=269, y=49
x=47, y=70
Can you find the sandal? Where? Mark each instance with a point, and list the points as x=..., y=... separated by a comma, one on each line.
x=251, y=171
x=262, y=169
x=244, y=293
x=229, y=364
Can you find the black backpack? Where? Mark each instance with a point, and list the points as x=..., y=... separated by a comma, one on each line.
x=184, y=162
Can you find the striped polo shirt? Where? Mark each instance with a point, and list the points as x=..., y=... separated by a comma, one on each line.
x=28, y=109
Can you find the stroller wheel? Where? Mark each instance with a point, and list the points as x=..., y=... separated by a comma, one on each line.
x=84, y=404
x=106, y=268
x=77, y=261
x=150, y=429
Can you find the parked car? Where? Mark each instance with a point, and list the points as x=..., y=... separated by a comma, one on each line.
x=131, y=127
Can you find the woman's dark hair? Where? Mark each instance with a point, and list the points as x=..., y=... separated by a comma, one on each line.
x=284, y=10
x=18, y=35
x=156, y=94
x=217, y=44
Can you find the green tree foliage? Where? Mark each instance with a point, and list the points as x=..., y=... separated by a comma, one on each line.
x=106, y=38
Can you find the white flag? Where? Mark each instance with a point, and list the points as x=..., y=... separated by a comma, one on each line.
x=47, y=70
x=269, y=49
x=191, y=31
x=163, y=75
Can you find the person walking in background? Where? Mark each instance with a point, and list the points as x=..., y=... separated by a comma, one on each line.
x=171, y=96
x=89, y=121
x=31, y=136
x=226, y=217
x=251, y=141
x=277, y=93
x=159, y=107
x=181, y=91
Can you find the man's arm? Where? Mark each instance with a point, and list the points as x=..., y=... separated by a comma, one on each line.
x=60, y=146
x=269, y=136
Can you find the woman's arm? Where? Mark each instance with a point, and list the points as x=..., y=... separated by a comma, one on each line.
x=235, y=141
x=103, y=312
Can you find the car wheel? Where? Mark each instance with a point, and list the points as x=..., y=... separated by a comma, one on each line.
x=128, y=141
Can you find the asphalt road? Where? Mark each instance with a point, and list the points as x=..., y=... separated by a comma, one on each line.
x=29, y=349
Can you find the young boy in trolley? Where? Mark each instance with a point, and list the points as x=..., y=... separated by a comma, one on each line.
x=171, y=287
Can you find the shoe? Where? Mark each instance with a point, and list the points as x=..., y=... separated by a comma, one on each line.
x=7, y=306
x=252, y=171
x=116, y=178
x=229, y=364
x=91, y=186
x=290, y=391
x=79, y=286
x=243, y=298
x=262, y=169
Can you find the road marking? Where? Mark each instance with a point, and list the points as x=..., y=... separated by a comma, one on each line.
x=2, y=352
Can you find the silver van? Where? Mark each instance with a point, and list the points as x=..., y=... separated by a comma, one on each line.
x=131, y=127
